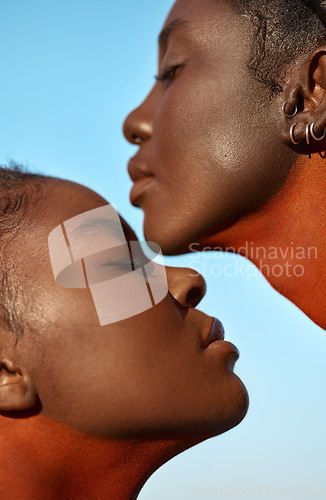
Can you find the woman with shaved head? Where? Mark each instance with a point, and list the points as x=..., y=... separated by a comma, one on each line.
x=107, y=370
x=232, y=138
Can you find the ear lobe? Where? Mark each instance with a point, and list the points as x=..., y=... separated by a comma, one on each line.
x=17, y=391
x=304, y=105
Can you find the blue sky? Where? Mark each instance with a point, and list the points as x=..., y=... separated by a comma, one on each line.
x=71, y=71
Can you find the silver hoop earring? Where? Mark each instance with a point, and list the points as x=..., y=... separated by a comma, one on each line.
x=294, y=112
x=292, y=135
x=307, y=135
x=313, y=134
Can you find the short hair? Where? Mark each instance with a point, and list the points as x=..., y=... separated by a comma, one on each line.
x=285, y=30
x=19, y=189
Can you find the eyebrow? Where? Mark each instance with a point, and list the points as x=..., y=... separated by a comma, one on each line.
x=172, y=27
x=97, y=224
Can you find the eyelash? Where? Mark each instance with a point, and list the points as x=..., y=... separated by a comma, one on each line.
x=168, y=75
x=136, y=263
x=125, y=263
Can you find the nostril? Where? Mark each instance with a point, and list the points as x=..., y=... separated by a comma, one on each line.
x=193, y=297
x=135, y=139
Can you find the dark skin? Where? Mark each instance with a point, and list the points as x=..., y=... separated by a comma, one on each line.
x=129, y=386
x=215, y=151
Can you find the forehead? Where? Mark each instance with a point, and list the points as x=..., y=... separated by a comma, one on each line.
x=195, y=12
x=64, y=200
x=60, y=202
x=209, y=25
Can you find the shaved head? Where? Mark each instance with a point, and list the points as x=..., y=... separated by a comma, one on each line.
x=19, y=190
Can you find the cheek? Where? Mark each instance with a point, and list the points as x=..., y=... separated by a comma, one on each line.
x=186, y=122
x=104, y=380
x=204, y=121
x=213, y=139
x=146, y=374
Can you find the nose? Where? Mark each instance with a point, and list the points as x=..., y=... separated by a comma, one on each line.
x=187, y=286
x=138, y=126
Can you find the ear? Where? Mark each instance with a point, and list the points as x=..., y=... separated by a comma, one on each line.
x=304, y=105
x=17, y=392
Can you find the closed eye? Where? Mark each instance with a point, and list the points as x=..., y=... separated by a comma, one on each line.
x=126, y=263
x=123, y=264
x=168, y=75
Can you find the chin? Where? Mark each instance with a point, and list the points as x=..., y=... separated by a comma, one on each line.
x=240, y=404
x=175, y=236
x=172, y=240
x=213, y=419
x=233, y=413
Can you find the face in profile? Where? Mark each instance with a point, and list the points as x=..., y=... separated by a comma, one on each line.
x=164, y=369
x=208, y=140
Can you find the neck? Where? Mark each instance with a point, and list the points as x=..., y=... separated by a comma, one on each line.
x=286, y=240
x=41, y=456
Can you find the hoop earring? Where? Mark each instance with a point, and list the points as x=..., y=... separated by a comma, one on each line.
x=292, y=135
x=313, y=134
x=294, y=112
x=307, y=135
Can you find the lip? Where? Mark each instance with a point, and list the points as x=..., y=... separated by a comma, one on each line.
x=138, y=170
x=215, y=339
x=139, y=188
x=141, y=176
x=216, y=333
